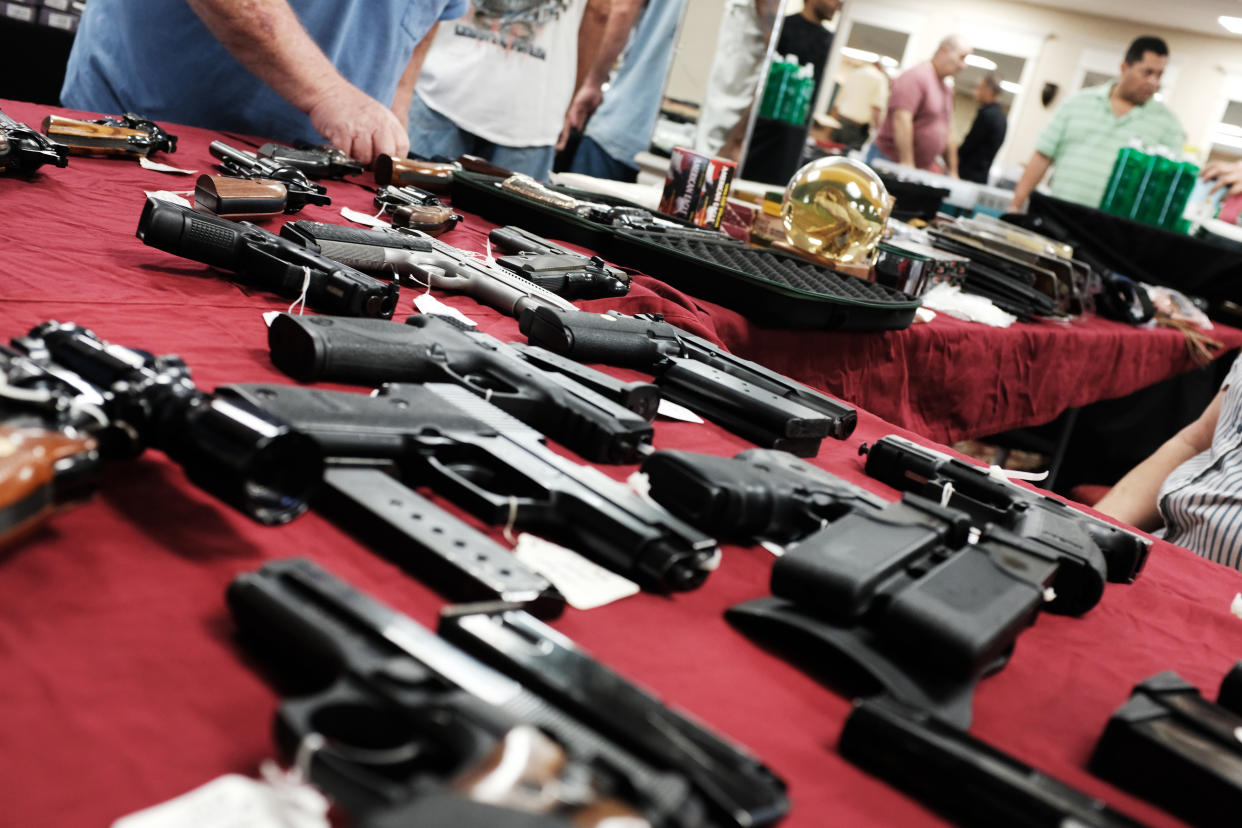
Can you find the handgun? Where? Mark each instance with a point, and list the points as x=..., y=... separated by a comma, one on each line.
x=23, y=150
x=498, y=468
x=754, y=402
x=129, y=136
x=416, y=209
x=70, y=400
x=1073, y=533
x=417, y=260
x=737, y=788
x=315, y=161
x=242, y=164
x=558, y=268
x=432, y=176
x=265, y=260
x=437, y=349
x=388, y=712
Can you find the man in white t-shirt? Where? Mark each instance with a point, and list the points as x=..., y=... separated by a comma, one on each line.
x=860, y=105
x=499, y=82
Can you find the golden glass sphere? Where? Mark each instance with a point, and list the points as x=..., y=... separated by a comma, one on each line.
x=837, y=208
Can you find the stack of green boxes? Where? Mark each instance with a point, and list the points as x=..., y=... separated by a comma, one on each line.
x=1151, y=187
x=787, y=93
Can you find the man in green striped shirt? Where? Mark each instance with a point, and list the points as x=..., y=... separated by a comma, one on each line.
x=1084, y=136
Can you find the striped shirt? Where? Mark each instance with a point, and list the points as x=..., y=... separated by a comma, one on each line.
x=1201, y=501
x=1084, y=137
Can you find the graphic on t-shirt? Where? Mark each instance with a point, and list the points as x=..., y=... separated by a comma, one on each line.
x=511, y=24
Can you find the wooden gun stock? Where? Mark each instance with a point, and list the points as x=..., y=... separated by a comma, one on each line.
x=28, y=467
x=240, y=198
x=431, y=220
x=433, y=176
x=86, y=138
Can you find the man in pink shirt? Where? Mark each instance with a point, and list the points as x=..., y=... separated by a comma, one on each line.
x=920, y=109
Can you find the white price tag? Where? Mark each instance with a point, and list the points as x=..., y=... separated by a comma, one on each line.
x=358, y=217
x=585, y=584
x=235, y=801
x=171, y=197
x=148, y=164
x=426, y=303
x=269, y=317
x=673, y=411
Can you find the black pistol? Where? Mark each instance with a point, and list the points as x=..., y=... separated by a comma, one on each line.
x=432, y=348
x=389, y=713
x=265, y=260
x=754, y=402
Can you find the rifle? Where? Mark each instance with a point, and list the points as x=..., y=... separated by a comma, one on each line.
x=23, y=150
x=265, y=260
x=557, y=268
x=437, y=349
x=752, y=401
x=737, y=788
x=315, y=162
x=497, y=468
x=418, y=260
x=128, y=135
x=242, y=164
x=434, y=176
x=416, y=209
x=397, y=713
x=1071, y=532
x=936, y=763
x=70, y=400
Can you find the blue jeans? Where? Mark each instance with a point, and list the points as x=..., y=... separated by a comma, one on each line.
x=433, y=134
x=590, y=159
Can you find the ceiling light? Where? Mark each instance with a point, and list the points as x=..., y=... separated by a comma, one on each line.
x=863, y=54
x=1011, y=87
x=980, y=62
x=1233, y=24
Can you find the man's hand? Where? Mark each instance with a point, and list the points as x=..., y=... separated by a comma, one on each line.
x=356, y=123
x=585, y=101
x=1225, y=174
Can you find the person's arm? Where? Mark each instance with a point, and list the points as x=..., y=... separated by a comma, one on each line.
x=877, y=118
x=950, y=158
x=621, y=17
x=1133, y=499
x=1034, y=173
x=903, y=135
x=266, y=37
x=409, y=78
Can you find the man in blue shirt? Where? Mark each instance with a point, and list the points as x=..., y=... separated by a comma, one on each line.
x=281, y=69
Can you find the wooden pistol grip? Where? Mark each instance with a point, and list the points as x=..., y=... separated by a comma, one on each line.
x=239, y=198
x=522, y=773
x=77, y=134
x=28, y=458
x=432, y=176
x=431, y=220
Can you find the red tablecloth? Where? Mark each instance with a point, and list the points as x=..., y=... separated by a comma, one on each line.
x=123, y=685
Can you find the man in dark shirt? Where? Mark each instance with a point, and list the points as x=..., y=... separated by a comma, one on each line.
x=803, y=35
x=987, y=133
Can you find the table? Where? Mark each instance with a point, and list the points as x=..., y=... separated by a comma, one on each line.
x=124, y=686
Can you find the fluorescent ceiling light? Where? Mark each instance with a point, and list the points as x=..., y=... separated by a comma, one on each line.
x=860, y=54
x=1233, y=24
x=983, y=63
x=1011, y=87
x=1227, y=141
x=891, y=63
x=1229, y=129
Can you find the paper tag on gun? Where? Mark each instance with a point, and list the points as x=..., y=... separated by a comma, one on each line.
x=171, y=197
x=426, y=303
x=236, y=801
x=585, y=585
x=364, y=218
x=676, y=411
